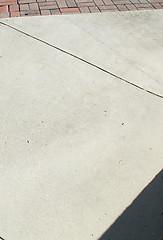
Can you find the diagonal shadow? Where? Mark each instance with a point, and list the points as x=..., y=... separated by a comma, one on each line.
x=143, y=219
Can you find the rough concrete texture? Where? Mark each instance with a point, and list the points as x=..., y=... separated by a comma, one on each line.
x=77, y=144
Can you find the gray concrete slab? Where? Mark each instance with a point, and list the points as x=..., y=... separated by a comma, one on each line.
x=77, y=145
x=128, y=44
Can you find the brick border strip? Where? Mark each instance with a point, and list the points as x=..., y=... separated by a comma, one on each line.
x=17, y=8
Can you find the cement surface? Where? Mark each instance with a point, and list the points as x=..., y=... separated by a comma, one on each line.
x=128, y=44
x=77, y=145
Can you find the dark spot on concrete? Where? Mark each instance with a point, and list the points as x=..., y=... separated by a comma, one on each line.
x=122, y=123
x=27, y=141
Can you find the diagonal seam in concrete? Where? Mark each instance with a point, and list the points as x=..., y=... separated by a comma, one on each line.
x=2, y=238
x=83, y=60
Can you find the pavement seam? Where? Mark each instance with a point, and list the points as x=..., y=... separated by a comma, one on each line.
x=83, y=60
x=2, y=238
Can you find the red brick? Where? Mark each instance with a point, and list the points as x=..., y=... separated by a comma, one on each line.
x=45, y=12
x=83, y=1
x=84, y=10
x=33, y=6
x=48, y=7
x=26, y=1
x=108, y=8
x=4, y=2
x=7, y=3
x=66, y=13
x=131, y=7
x=122, y=7
x=3, y=9
x=108, y=2
x=69, y=10
x=15, y=14
x=99, y=2
x=134, y=1
x=4, y=14
x=24, y=7
x=71, y=3
x=155, y=1
x=145, y=8
x=143, y=1
x=47, y=3
x=94, y=9
x=86, y=4
x=142, y=5
x=14, y=8
x=157, y=5
x=61, y=3
x=55, y=12
x=30, y=12
x=121, y=2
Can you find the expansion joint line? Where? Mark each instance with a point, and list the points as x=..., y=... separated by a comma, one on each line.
x=83, y=60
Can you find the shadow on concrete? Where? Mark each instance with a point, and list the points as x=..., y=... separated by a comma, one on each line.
x=143, y=219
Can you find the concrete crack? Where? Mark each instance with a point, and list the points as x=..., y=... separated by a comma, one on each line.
x=83, y=60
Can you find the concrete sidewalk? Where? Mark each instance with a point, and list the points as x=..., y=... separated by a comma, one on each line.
x=81, y=109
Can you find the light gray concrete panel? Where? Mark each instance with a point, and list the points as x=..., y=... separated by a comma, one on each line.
x=129, y=44
x=76, y=145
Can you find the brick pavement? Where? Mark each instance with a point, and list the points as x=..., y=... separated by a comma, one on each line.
x=17, y=8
